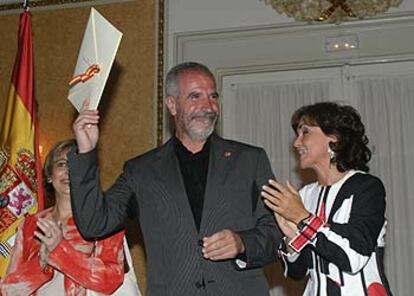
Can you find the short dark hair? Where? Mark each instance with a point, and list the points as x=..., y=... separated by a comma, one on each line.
x=343, y=122
x=171, y=88
x=58, y=148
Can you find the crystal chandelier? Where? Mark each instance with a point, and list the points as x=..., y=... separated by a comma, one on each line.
x=330, y=10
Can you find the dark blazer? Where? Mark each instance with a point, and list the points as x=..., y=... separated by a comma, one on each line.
x=154, y=183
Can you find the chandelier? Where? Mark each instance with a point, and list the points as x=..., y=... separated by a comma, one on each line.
x=330, y=10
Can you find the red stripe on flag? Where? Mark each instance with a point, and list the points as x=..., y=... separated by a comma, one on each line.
x=23, y=80
x=22, y=77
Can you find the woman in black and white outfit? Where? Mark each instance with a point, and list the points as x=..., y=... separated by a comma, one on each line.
x=334, y=228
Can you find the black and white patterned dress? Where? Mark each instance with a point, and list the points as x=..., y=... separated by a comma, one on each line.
x=341, y=248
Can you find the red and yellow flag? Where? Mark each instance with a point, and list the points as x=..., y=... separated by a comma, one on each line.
x=20, y=167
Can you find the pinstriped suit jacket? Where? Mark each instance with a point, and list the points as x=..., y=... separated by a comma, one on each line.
x=153, y=183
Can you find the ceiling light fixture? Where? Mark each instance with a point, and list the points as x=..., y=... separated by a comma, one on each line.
x=331, y=10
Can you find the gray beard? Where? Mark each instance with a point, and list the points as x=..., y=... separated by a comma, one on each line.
x=202, y=135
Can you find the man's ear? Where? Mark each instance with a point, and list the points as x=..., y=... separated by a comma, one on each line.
x=171, y=105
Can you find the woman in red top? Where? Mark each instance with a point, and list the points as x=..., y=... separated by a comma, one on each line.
x=50, y=257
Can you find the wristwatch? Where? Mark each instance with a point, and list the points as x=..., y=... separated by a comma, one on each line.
x=303, y=223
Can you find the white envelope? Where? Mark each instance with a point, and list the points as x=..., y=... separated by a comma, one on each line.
x=96, y=56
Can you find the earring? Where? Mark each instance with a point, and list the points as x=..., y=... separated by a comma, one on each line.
x=331, y=154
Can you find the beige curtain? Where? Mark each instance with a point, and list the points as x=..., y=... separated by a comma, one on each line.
x=257, y=110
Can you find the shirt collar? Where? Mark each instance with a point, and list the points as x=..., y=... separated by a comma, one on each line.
x=183, y=153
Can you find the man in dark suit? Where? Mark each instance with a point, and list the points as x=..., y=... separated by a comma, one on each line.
x=205, y=228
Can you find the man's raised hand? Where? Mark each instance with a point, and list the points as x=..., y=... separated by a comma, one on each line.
x=86, y=128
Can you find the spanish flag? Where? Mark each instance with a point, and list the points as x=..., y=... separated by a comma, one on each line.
x=20, y=166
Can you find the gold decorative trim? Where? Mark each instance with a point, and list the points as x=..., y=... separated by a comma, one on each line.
x=160, y=72
x=40, y=3
x=4, y=157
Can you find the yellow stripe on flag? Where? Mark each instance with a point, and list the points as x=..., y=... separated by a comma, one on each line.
x=20, y=133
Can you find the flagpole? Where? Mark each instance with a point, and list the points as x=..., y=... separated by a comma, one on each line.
x=26, y=5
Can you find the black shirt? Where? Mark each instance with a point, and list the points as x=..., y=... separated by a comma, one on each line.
x=194, y=169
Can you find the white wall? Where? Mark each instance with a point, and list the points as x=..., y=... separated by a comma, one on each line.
x=201, y=15
x=235, y=36
x=245, y=36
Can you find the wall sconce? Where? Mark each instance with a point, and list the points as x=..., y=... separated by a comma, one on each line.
x=340, y=43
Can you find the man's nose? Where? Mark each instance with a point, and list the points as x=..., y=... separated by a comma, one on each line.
x=208, y=104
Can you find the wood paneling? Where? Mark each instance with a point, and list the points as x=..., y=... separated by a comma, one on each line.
x=127, y=107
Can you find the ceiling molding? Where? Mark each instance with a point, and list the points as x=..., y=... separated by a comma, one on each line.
x=382, y=39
